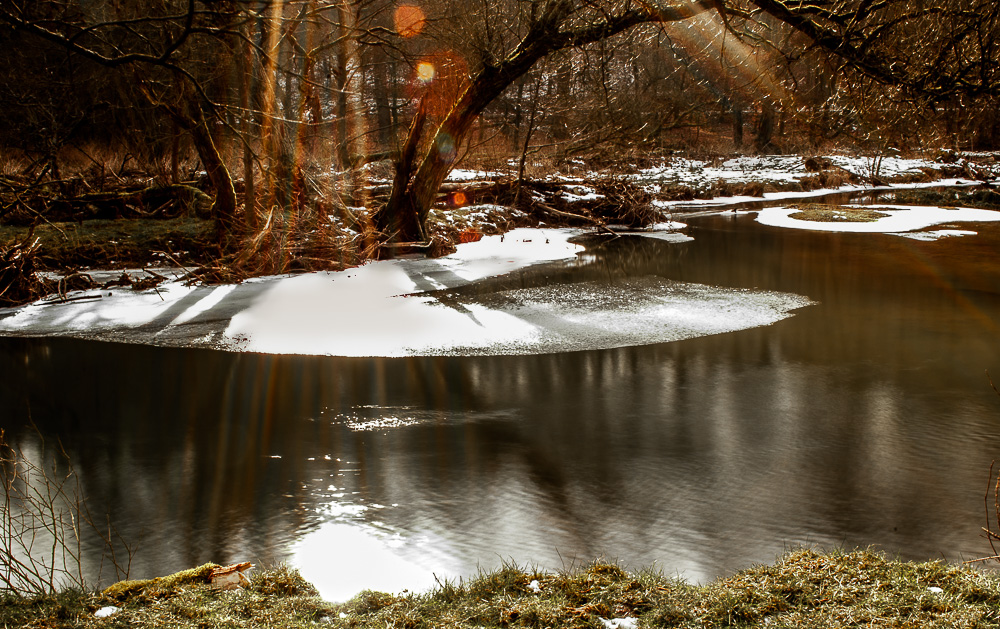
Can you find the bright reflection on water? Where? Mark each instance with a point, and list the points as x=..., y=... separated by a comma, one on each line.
x=864, y=419
x=337, y=558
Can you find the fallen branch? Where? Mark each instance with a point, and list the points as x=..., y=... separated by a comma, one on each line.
x=596, y=222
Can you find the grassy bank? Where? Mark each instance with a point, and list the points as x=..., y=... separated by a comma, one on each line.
x=802, y=589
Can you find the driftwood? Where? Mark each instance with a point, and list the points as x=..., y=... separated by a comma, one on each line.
x=230, y=577
x=596, y=222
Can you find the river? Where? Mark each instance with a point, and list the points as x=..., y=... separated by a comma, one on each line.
x=864, y=419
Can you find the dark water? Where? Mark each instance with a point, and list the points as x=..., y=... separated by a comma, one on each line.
x=865, y=419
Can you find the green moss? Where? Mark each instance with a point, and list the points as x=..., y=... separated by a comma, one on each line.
x=160, y=586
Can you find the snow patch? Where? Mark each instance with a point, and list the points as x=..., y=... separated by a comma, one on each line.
x=669, y=231
x=938, y=234
x=105, y=612
x=898, y=218
x=387, y=308
x=468, y=175
x=620, y=623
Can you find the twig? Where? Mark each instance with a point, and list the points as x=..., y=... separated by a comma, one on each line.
x=63, y=300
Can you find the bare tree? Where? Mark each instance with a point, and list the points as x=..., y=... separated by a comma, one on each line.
x=554, y=25
x=151, y=47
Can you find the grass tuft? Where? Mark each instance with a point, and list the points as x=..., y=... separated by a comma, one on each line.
x=805, y=588
x=821, y=213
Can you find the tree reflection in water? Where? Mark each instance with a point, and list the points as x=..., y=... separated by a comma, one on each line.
x=863, y=420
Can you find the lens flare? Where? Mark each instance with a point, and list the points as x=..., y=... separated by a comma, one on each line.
x=425, y=72
x=446, y=147
x=409, y=20
x=458, y=199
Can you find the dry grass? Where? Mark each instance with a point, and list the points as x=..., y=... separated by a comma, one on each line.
x=117, y=243
x=275, y=598
x=805, y=588
x=819, y=213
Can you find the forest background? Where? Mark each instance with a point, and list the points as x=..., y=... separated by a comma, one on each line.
x=254, y=137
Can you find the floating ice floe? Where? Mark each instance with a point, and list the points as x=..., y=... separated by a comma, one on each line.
x=898, y=219
x=669, y=231
x=938, y=234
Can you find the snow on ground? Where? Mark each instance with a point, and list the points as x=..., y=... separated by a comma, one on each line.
x=782, y=169
x=792, y=194
x=898, y=219
x=696, y=173
x=384, y=309
x=387, y=309
x=938, y=234
x=460, y=174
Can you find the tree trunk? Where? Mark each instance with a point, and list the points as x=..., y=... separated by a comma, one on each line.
x=342, y=74
x=763, y=140
x=438, y=160
x=224, y=207
x=737, y=127
x=381, y=83
x=395, y=218
x=175, y=149
x=192, y=119
x=249, y=189
x=527, y=140
x=542, y=38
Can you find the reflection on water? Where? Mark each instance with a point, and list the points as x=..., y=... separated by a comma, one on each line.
x=865, y=419
x=339, y=558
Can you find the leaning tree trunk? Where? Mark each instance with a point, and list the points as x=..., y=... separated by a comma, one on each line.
x=192, y=119
x=403, y=219
x=410, y=208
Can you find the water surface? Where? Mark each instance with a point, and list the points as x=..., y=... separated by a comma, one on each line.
x=866, y=418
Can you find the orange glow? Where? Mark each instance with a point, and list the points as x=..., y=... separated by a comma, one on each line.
x=459, y=199
x=441, y=77
x=470, y=235
x=409, y=20
x=425, y=72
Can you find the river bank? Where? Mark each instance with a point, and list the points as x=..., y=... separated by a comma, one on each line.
x=804, y=588
x=291, y=313
x=64, y=249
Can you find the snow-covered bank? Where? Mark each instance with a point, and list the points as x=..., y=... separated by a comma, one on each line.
x=385, y=309
x=794, y=195
x=791, y=169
